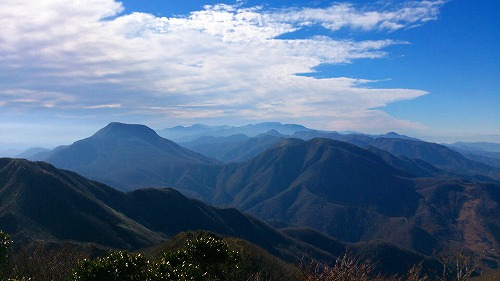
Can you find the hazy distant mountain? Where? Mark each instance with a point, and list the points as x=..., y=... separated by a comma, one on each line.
x=239, y=148
x=437, y=155
x=485, y=152
x=179, y=132
x=40, y=156
x=486, y=157
x=476, y=146
x=358, y=139
x=132, y=156
x=27, y=154
x=393, y=135
x=211, y=140
x=9, y=152
x=187, y=134
x=479, y=165
x=236, y=148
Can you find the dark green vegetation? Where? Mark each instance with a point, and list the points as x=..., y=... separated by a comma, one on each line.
x=207, y=256
x=203, y=258
x=42, y=203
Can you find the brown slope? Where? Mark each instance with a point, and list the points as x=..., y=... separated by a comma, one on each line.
x=470, y=211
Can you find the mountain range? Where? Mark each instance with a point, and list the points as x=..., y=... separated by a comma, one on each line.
x=355, y=191
x=481, y=165
x=190, y=133
x=354, y=195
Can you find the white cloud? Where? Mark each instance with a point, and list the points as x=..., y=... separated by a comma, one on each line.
x=392, y=17
x=221, y=62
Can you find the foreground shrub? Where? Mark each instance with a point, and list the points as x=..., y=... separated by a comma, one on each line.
x=117, y=266
x=204, y=258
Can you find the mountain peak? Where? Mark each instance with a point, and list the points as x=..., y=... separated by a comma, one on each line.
x=116, y=129
x=272, y=132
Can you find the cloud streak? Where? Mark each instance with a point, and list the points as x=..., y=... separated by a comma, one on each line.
x=221, y=63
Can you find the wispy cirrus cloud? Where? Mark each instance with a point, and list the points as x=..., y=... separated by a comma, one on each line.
x=221, y=63
x=381, y=16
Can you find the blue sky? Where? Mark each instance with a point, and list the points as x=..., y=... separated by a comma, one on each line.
x=429, y=69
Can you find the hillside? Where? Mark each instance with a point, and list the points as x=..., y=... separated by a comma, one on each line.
x=45, y=205
x=334, y=187
x=354, y=195
x=39, y=201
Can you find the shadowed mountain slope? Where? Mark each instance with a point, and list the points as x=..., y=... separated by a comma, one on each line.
x=336, y=171
x=334, y=187
x=40, y=202
x=354, y=195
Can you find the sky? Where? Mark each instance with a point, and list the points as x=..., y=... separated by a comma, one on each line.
x=428, y=69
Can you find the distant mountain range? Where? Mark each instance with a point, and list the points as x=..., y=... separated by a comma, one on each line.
x=240, y=148
x=476, y=146
x=189, y=133
x=417, y=195
x=484, y=152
